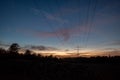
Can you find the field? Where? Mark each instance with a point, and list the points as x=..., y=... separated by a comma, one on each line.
x=48, y=68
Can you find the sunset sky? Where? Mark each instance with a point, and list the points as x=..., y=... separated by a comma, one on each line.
x=58, y=27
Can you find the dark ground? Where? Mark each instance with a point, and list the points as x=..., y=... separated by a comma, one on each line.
x=31, y=67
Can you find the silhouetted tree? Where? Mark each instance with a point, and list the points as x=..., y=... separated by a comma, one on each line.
x=2, y=50
x=28, y=52
x=14, y=48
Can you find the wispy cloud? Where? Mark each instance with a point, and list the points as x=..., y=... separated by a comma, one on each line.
x=41, y=48
x=49, y=16
x=63, y=11
x=114, y=43
x=54, y=18
x=112, y=51
x=106, y=51
x=108, y=13
x=4, y=45
x=106, y=19
x=62, y=33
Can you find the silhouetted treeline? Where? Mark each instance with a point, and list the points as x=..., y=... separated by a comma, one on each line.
x=97, y=59
x=28, y=56
x=31, y=66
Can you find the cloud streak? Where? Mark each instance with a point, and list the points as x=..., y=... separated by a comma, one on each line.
x=63, y=33
x=40, y=48
x=117, y=43
x=5, y=45
x=49, y=16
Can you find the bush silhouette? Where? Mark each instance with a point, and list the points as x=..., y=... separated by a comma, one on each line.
x=14, y=48
x=27, y=52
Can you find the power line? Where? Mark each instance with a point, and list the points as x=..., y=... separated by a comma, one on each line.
x=90, y=26
x=86, y=22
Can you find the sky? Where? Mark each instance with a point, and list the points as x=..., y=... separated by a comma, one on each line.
x=62, y=27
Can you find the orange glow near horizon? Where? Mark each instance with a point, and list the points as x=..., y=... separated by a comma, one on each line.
x=73, y=53
x=84, y=53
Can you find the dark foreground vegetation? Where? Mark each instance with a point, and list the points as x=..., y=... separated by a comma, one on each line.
x=27, y=66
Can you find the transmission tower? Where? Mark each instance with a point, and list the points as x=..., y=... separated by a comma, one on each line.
x=77, y=48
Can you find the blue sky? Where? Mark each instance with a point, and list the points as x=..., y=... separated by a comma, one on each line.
x=63, y=24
